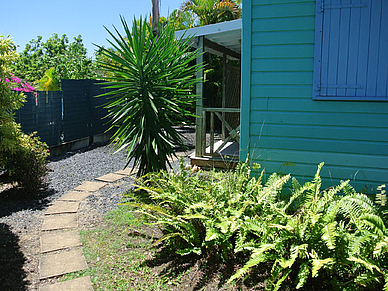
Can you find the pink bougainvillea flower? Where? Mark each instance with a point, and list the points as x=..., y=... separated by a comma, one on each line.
x=19, y=85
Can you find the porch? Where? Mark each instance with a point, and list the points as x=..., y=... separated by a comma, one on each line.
x=218, y=127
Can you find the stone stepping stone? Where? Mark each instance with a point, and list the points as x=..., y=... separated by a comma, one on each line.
x=126, y=172
x=110, y=177
x=79, y=284
x=90, y=186
x=74, y=196
x=53, y=222
x=62, y=263
x=50, y=242
x=62, y=207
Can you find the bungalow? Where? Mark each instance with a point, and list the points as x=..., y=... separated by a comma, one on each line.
x=314, y=87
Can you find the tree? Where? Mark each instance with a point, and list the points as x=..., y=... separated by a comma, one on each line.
x=151, y=80
x=181, y=19
x=69, y=60
x=213, y=11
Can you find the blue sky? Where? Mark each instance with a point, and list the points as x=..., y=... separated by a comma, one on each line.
x=25, y=20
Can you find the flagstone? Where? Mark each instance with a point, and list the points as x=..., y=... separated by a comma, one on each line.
x=62, y=263
x=74, y=196
x=110, y=177
x=59, y=240
x=60, y=221
x=79, y=284
x=126, y=172
x=62, y=207
x=90, y=186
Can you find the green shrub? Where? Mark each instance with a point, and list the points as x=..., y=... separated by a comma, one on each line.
x=27, y=163
x=22, y=156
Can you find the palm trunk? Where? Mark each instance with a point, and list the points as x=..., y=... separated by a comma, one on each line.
x=155, y=17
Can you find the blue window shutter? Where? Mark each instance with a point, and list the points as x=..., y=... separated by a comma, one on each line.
x=351, y=50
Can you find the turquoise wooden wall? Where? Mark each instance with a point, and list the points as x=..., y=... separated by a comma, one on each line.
x=282, y=125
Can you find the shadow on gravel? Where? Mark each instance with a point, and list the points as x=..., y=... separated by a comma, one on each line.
x=66, y=155
x=12, y=275
x=16, y=199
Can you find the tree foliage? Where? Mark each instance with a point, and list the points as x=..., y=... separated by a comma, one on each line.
x=210, y=11
x=68, y=59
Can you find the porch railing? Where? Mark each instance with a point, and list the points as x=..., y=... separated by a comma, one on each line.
x=230, y=134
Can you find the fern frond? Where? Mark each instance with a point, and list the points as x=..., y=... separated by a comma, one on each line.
x=381, y=247
x=375, y=223
x=150, y=207
x=257, y=257
x=192, y=216
x=317, y=182
x=189, y=250
x=166, y=237
x=364, y=262
x=318, y=264
x=334, y=190
x=303, y=275
x=284, y=263
x=282, y=278
x=381, y=198
x=329, y=235
x=287, y=227
x=367, y=279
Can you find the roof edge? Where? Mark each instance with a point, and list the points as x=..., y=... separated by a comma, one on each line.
x=210, y=29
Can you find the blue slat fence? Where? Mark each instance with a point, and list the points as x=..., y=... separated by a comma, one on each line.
x=67, y=115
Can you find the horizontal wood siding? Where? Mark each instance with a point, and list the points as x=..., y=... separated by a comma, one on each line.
x=286, y=126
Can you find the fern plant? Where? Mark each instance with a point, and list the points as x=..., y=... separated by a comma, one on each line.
x=319, y=234
x=204, y=212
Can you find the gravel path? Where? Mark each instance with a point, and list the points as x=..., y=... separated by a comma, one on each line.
x=21, y=219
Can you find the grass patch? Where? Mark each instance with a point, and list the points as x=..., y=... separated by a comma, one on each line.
x=121, y=256
x=117, y=254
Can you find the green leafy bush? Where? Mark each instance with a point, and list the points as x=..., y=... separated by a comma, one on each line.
x=22, y=156
x=26, y=164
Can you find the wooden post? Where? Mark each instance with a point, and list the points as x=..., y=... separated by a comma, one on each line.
x=211, y=133
x=199, y=142
x=224, y=71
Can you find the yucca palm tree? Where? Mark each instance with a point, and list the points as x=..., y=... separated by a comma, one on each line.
x=151, y=78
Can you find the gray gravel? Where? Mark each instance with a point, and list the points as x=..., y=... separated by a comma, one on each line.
x=69, y=171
